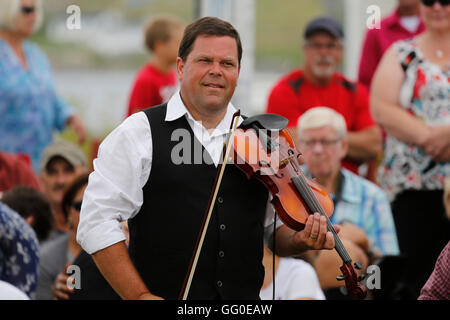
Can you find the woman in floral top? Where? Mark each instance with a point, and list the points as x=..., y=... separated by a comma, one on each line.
x=30, y=109
x=410, y=99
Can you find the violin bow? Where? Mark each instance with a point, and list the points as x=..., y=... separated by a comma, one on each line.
x=212, y=199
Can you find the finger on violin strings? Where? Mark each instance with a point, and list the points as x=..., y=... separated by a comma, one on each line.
x=308, y=226
x=315, y=226
x=329, y=241
x=322, y=232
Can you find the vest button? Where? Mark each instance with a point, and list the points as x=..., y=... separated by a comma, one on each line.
x=223, y=227
x=220, y=199
x=219, y=283
x=221, y=254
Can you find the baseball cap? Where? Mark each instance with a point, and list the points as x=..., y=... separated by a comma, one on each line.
x=66, y=150
x=325, y=24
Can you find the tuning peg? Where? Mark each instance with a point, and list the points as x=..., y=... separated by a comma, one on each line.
x=343, y=290
x=341, y=277
x=358, y=265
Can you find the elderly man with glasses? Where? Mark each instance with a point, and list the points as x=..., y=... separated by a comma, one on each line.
x=361, y=207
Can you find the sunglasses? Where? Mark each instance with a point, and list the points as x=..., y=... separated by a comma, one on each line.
x=430, y=3
x=76, y=205
x=27, y=10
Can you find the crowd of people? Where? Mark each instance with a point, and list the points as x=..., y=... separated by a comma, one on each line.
x=379, y=146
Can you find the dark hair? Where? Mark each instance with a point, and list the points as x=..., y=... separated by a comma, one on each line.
x=27, y=202
x=210, y=26
x=71, y=191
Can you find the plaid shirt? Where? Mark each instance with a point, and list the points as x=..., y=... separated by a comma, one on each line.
x=438, y=284
x=366, y=205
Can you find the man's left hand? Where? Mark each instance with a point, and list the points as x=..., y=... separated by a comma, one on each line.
x=315, y=235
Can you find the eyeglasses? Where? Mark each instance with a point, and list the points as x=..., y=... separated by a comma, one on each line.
x=328, y=46
x=326, y=143
x=76, y=205
x=430, y=3
x=27, y=10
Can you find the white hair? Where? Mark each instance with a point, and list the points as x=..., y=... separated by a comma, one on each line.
x=319, y=117
x=9, y=11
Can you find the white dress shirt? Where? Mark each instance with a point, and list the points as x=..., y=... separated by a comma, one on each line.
x=122, y=169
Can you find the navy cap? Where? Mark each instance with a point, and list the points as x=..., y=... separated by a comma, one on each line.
x=324, y=24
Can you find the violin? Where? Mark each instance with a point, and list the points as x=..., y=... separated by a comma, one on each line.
x=263, y=149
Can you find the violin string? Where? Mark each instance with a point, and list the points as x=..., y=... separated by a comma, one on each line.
x=315, y=206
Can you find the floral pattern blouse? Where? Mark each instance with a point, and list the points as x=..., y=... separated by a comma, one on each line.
x=425, y=94
x=30, y=109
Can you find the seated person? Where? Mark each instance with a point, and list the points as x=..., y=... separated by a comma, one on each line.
x=88, y=283
x=59, y=253
x=322, y=135
x=32, y=205
x=368, y=229
x=295, y=279
x=61, y=162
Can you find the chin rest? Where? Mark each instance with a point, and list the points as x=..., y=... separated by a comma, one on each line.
x=265, y=121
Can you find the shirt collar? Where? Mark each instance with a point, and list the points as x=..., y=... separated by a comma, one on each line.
x=176, y=109
x=349, y=193
x=393, y=21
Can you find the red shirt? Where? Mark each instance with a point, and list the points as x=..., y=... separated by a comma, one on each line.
x=293, y=95
x=377, y=41
x=151, y=88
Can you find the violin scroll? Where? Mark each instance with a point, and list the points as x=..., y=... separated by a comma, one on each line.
x=352, y=287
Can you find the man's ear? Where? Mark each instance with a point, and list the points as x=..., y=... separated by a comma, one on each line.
x=180, y=68
x=344, y=147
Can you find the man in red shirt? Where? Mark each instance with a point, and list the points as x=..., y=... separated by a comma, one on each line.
x=405, y=22
x=156, y=82
x=319, y=84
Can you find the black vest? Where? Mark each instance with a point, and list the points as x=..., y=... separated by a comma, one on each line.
x=164, y=232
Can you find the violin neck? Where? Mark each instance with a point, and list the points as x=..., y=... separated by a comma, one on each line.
x=313, y=205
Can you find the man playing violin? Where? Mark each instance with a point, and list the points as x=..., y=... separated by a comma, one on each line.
x=138, y=176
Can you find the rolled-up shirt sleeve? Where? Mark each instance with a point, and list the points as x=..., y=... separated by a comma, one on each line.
x=114, y=192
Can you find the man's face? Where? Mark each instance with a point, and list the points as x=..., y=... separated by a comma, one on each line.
x=322, y=150
x=56, y=176
x=209, y=75
x=323, y=53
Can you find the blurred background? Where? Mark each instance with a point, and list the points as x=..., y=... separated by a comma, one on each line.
x=94, y=66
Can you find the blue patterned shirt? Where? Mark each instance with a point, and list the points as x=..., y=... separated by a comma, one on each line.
x=30, y=109
x=19, y=252
x=366, y=205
